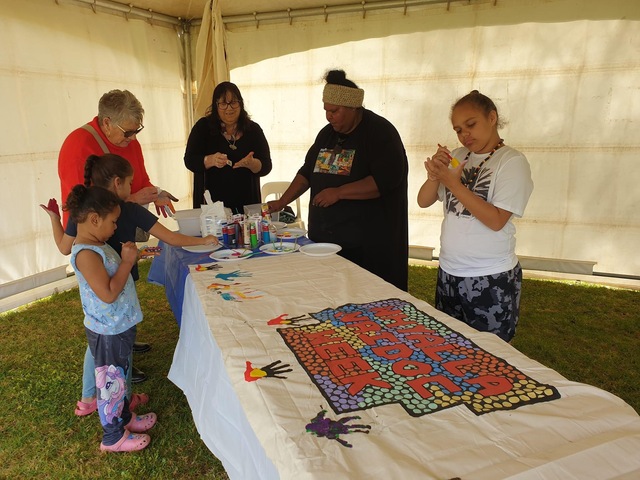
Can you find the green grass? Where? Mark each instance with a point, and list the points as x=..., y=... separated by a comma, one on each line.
x=587, y=333
x=41, y=353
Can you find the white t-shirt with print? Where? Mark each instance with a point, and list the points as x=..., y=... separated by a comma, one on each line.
x=468, y=248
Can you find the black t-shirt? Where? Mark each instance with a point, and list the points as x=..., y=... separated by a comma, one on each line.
x=131, y=216
x=234, y=187
x=373, y=233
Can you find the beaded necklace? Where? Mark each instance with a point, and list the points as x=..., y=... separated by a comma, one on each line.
x=472, y=178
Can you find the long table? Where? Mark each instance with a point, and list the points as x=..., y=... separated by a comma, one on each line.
x=299, y=367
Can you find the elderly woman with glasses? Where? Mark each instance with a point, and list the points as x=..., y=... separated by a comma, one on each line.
x=227, y=152
x=114, y=130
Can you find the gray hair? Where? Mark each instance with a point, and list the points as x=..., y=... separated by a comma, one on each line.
x=120, y=105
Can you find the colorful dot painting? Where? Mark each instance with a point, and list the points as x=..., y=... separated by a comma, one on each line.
x=367, y=355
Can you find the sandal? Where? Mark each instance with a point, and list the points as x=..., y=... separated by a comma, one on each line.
x=141, y=423
x=86, y=408
x=138, y=399
x=130, y=442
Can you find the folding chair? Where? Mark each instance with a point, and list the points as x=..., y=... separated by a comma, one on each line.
x=277, y=189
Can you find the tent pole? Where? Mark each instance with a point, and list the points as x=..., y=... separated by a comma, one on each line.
x=361, y=7
x=188, y=75
x=115, y=7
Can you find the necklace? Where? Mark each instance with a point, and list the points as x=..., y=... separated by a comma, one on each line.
x=470, y=180
x=338, y=147
x=231, y=140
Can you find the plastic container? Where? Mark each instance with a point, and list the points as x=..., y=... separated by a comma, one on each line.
x=188, y=221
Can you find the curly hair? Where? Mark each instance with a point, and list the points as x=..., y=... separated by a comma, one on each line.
x=85, y=200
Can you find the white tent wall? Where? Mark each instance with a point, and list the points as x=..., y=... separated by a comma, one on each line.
x=565, y=74
x=56, y=60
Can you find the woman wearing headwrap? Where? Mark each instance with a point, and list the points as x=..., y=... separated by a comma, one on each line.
x=357, y=172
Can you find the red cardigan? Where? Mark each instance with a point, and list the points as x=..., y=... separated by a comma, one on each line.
x=80, y=144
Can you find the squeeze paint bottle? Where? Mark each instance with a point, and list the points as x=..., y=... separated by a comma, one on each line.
x=231, y=233
x=254, y=236
x=246, y=233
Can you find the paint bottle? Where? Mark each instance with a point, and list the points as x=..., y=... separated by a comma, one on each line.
x=254, y=236
x=231, y=233
x=246, y=233
x=238, y=229
x=266, y=238
x=264, y=210
x=225, y=235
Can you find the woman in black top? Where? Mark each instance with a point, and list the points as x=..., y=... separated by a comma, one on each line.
x=227, y=152
x=357, y=173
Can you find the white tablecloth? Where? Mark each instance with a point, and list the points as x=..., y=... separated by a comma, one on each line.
x=544, y=427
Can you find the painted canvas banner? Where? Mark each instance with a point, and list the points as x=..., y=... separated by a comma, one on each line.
x=367, y=355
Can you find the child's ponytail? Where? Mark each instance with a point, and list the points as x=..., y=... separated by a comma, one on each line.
x=100, y=170
x=84, y=200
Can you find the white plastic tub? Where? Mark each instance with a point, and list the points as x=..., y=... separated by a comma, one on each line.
x=188, y=221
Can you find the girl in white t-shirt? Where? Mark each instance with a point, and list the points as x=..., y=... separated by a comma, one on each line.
x=482, y=186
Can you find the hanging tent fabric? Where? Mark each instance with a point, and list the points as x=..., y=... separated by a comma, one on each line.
x=211, y=69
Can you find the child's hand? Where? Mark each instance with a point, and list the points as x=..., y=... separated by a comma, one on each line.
x=129, y=252
x=52, y=208
x=165, y=208
x=210, y=240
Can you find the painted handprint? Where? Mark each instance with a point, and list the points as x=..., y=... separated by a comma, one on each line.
x=227, y=277
x=332, y=429
x=282, y=320
x=237, y=295
x=274, y=369
x=221, y=286
x=213, y=266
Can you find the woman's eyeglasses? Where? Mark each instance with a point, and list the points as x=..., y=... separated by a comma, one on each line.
x=225, y=105
x=130, y=133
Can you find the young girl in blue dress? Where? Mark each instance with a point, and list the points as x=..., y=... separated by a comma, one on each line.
x=111, y=310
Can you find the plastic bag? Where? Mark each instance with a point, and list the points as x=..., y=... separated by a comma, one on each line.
x=213, y=216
